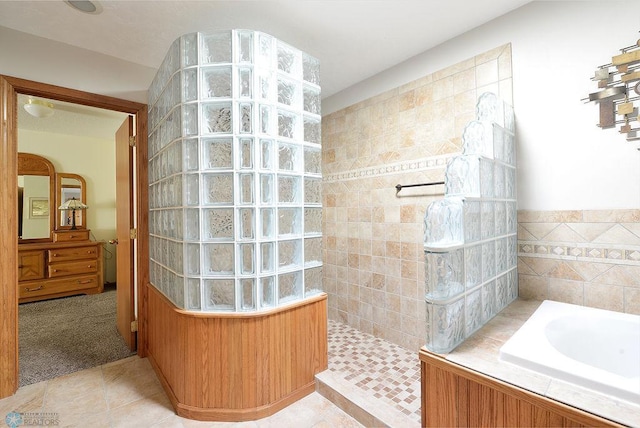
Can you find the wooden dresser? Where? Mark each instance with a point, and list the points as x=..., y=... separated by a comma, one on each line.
x=58, y=269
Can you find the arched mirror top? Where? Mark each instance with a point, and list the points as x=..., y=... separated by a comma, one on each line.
x=70, y=186
x=36, y=197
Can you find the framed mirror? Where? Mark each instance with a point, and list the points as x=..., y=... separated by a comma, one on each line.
x=36, y=211
x=70, y=186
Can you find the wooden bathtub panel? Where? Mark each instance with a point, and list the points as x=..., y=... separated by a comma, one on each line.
x=453, y=395
x=236, y=367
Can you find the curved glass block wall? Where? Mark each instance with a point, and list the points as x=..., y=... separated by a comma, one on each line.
x=235, y=211
x=471, y=235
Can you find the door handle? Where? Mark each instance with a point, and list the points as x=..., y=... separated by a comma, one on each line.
x=113, y=241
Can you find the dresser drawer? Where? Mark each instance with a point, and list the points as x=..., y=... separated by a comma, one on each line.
x=30, y=265
x=57, y=286
x=72, y=268
x=69, y=254
x=70, y=235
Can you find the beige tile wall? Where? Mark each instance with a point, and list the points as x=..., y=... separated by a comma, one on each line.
x=373, y=258
x=589, y=258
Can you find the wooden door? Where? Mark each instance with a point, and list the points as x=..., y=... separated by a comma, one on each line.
x=124, y=223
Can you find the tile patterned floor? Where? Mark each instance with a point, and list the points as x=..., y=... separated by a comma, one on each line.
x=127, y=393
x=388, y=372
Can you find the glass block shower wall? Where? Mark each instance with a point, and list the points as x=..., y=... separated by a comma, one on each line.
x=234, y=170
x=471, y=234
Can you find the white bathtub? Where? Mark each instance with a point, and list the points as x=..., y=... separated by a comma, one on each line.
x=589, y=347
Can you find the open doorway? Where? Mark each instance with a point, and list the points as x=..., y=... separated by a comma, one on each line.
x=10, y=88
x=77, y=331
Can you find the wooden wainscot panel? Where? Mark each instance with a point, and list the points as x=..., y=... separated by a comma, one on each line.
x=455, y=396
x=240, y=366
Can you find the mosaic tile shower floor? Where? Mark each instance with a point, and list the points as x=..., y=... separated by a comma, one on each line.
x=380, y=369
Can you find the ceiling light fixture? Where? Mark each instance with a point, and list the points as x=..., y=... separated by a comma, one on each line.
x=39, y=108
x=85, y=6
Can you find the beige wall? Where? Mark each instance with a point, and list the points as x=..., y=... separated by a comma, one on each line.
x=94, y=160
x=373, y=257
x=589, y=258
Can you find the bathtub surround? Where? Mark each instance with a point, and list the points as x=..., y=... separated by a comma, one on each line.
x=373, y=257
x=589, y=257
x=237, y=317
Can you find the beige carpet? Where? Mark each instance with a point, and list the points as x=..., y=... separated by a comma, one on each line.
x=66, y=335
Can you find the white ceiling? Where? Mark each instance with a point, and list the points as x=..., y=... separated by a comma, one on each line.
x=353, y=39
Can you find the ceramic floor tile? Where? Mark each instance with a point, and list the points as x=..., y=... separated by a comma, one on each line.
x=28, y=399
x=143, y=412
x=129, y=381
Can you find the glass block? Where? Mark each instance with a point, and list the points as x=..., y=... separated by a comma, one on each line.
x=245, y=182
x=217, y=153
x=502, y=292
x=220, y=294
x=312, y=160
x=289, y=222
x=217, y=224
x=246, y=118
x=471, y=220
x=189, y=49
x=486, y=178
x=217, y=188
x=512, y=217
x=311, y=101
x=267, y=122
x=312, y=131
x=513, y=285
x=289, y=287
x=510, y=183
x=189, y=121
x=266, y=188
x=488, y=260
x=289, y=59
x=313, y=281
x=477, y=139
x=289, y=158
x=287, y=124
x=462, y=176
x=190, y=84
x=489, y=305
x=246, y=255
x=501, y=218
x=245, y=82
x=193, y=293
x=473, y=311
x=266, y=154
x=218, y=259
x=216, y=82
x=246, y=153
x=216, y=48
x=312, y=191
x=267, y=220
x=192, y=259
x=444, y=274
x=289, y=189
x=191, y=224
x=192, y=189
x=510, y=149
x=267, y=292
x=499, y=181
x=190, y=154
x=290, y=254
x=266, y=50
x=490, y=108
x=473, y=266
x=310, y=69
x=445, y=325
x=267, y=255
x=245, y=46
x=499, y=142
x=288, y=92
x=512, y=251
x=247, y=294
x=312, y=221
x=312, y=250
x=247, y=223
x=267, y=88
x=443, y=223
x=488, y=226
x=216, y=118
x=509, y=118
